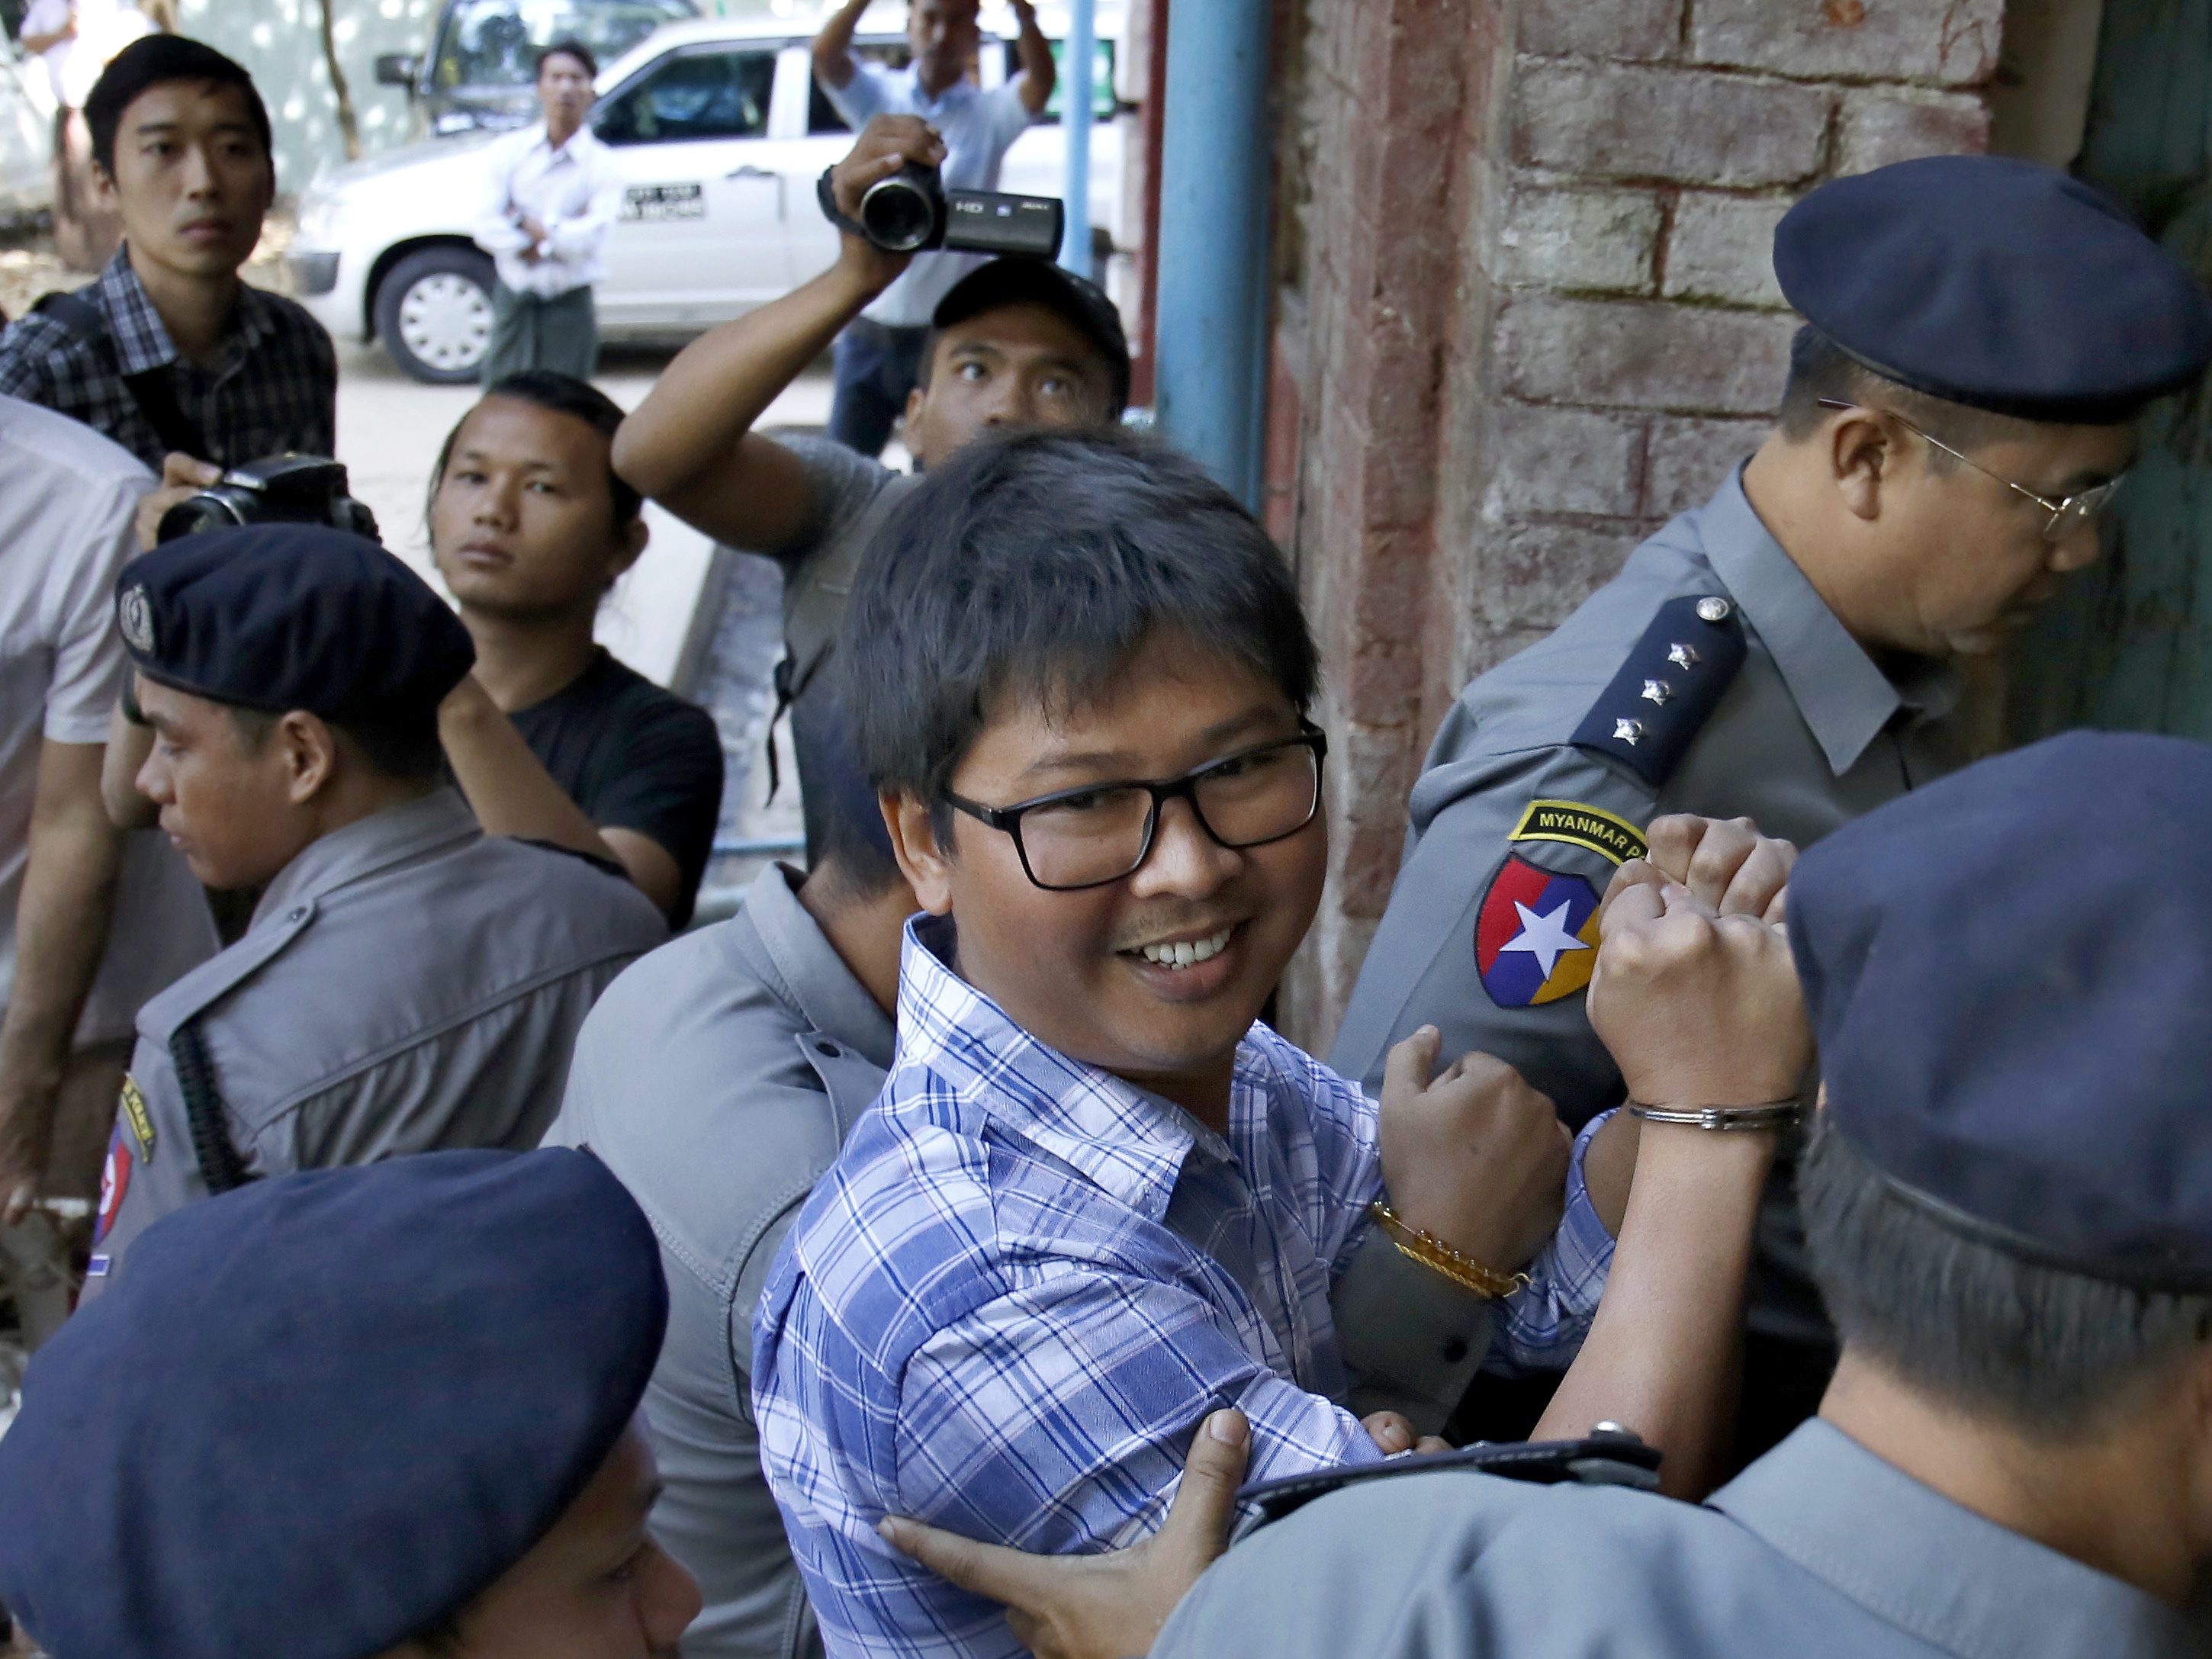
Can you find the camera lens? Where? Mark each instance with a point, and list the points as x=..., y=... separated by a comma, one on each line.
x=898, y=214
x=213, y=509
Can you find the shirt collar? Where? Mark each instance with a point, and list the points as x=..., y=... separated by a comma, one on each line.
x=827, y=994
x=142, y=339
x=1123, y=1140
x=1911, y=1556
x=960, y=93
x=1843, y=694
x=431, y=824
x=578, y=142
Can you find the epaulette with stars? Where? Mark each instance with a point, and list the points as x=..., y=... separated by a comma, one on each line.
x=1674, y=679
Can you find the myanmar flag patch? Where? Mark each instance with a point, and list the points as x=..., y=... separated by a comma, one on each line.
x=1536, y=937
x=114, y=1182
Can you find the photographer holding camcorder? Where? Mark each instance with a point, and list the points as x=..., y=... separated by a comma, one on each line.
x=1017, y=342
x=879, y=354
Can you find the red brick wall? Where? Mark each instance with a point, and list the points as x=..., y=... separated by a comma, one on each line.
x=1530, y=316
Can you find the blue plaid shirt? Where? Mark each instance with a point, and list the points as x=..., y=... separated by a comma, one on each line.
x=1025, y=1282
x=274, y=387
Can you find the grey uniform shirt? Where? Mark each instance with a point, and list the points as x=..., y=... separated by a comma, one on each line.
x=407, y=984
x=717, y=1080
x=1820, y=1550
x=1809, y=734
x=853, y=496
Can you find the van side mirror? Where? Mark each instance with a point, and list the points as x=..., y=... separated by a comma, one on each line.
x=398, y=69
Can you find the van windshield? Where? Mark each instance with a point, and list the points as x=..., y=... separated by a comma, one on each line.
x=496, y=43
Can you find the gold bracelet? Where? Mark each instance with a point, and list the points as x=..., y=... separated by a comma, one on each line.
x=1433, y=1253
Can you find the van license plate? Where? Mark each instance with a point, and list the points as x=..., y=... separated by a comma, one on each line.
x=659, y=201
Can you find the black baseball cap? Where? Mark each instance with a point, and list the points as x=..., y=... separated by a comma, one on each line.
x=1014, y=281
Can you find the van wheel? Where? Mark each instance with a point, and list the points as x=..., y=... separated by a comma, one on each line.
x=433, y=314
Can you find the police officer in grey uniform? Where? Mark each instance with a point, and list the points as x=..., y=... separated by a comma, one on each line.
x=718, y=1078
x=1980, y=334
x=406, y=983
x=383, y=1412
x=2008, y=1194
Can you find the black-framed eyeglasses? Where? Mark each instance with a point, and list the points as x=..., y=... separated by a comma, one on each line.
x=2067, y=516
x=1102, y=832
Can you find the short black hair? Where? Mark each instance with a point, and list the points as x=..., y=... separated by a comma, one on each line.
x=151, y=60
x=564, y=394
x=1819, y=368
x=399, y=745
x=567, y=47
x=855, y=856
x=2053, y=1353
x=845, y=822
x=1033, y=566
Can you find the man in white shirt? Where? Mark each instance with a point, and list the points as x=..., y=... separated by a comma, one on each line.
x=93, y=920
x=50, y=30
x=551, y=192
x=878, y=356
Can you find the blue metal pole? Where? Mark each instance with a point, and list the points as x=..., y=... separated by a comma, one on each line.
x=1211, y=333
x=1076, y=68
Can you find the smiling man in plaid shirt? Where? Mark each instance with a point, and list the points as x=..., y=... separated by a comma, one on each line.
x=1096, y=1200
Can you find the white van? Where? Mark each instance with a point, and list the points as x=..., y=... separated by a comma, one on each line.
x=27, y=133
x=720, y=134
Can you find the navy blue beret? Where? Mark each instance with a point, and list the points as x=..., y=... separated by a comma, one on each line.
x=1994, y=281
x=323, y=1411
x=291, y=616
x=2010, y=976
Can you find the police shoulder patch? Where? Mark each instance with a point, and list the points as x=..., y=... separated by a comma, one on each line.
x=140, y=1119
x=1535, y=937
x=114, y=1182
x=1611, y=838
x=1674, y=678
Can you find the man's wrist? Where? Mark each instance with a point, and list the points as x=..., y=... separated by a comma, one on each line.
x=858, y=275
x=1786, y=1113
x=29, y=1109
x=1666, y=1149
x=1481, y=1278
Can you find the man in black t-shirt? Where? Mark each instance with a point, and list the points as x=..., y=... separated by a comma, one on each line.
x=551, y=738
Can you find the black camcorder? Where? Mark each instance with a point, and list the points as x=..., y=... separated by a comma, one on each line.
x=912, y=212
x=276, y=489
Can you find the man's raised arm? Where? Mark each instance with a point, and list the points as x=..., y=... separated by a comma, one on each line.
x=690, y=445
x=1039, y=73
x=833, y=46
x=1699, y=1010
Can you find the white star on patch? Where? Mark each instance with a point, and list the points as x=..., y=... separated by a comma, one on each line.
x=1545, y=938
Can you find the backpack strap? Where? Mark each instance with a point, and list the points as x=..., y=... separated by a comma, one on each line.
x=153, y=390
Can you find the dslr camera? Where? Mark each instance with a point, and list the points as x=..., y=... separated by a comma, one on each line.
x=275, y=489
x=912, y=212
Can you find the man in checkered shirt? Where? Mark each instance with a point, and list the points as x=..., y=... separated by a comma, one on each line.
x=176, y=358
x=1096, y=1199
